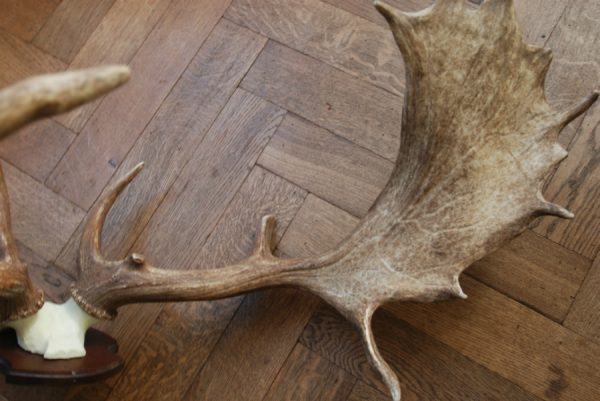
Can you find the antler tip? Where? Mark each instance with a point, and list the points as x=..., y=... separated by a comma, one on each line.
x=266, y=239
x=385, y=9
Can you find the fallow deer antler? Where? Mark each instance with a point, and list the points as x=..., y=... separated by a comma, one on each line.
x=19, y=104
x=478, y=139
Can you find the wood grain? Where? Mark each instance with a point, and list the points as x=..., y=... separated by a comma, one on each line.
x=116, y=124
x=116, y=39
x=48, y=277
x=363, y=392
x=24, y=18
x=18, y=60
x=537, y=18
x=584, y=316
x=41, y=220
x=365, y=9
x=37, y=148
x=70, y=26
x=358, y=111
x=428, y=369
x=327, y=165
x=173, y=135
x=254, y=346
x=203, y=323
x=510, y=339
x=536, y=271
x=329, y=34
x=306, y=377
x=316, y=229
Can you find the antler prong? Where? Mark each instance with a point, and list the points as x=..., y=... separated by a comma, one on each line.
x=566, y=117
x=49, y=94
x=91, y=240
x=266, y=237
x=363, y=320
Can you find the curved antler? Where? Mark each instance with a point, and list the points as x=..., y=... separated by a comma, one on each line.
x=478, y=139
x=19, y=104
x=46, y=95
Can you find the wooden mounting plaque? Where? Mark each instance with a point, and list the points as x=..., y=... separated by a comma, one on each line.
x=22, y=367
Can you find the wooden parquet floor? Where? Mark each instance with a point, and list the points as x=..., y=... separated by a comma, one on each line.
x=246, y=107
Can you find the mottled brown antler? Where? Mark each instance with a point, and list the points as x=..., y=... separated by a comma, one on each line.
x=18, y=296
x=478, y=139
x=19, y=104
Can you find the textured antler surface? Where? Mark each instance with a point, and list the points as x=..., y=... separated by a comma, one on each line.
x=45, y=95
x=478, y=139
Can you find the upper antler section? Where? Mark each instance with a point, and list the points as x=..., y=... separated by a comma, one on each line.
x=45, y=95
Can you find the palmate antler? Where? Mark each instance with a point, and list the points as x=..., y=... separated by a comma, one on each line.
x=478, y=139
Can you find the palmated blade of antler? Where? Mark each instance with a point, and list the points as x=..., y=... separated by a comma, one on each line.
x=18, y=296
x=45, y=95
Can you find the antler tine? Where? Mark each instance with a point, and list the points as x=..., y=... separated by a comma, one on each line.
x=566, y=117
x=8, y=247
x=91, y=240
x=49, y=94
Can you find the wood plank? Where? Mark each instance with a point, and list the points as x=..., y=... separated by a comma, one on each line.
x=426, y=368
x=117, y=38
x=185, y=334
x=173, y=135
x=18, y=60
x=363, y=392
x=118, y=121
x=329, y=34
x=365, y=9
x=41, y=220
x=584, y=316
x=86, y=392
x=254, y=346
x=70, y=26
x=53, y=281
x=307, y=377
x=534, y=352
x=535, y=271
x=37, y=148
x=175, y=235
x=327, y=165
x=24, y=18
x=358, y=111
x=537, y=18
x=317, y=228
